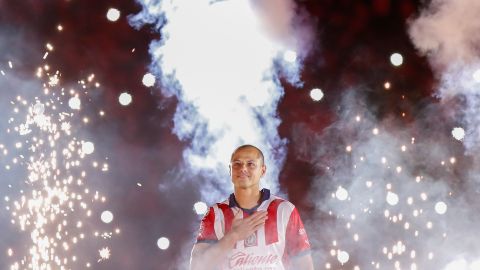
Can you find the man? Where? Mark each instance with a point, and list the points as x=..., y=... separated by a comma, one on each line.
x=252, y=230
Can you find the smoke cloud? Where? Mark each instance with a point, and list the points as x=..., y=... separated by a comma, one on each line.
x=390, y=194
x=447, y=33
x=222, y=60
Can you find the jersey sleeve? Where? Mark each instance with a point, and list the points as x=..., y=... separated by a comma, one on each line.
x=206, y=233
x=296, y=241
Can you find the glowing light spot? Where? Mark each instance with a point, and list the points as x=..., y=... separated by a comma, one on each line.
x=113, y=14
x=453, y=160
x=290, y=56
x=404, y=148
x=104, y=254
x=148, y=80
x=458, y=133
x=375, y=131
x=392, y=198
x=106, y=217
x=316, y=94
x=341, y=193
x=441, y=208
x=200, y=208
x=348, y=148
x=163, y=243
x=125, y=99
x=10, y=252
x=387, y=85
x=88, y=147
x=74, y=103
x=476, y=75
x=343, y=256
x=59, y=27
x=396, y=59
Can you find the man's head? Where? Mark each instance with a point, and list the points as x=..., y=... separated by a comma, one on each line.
x=247, y=166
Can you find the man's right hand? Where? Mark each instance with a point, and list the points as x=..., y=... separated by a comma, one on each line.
x=244, y=227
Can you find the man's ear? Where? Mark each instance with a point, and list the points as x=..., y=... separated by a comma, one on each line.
x=264, y=170
x=230, y=170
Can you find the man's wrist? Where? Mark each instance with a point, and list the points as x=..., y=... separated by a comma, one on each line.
x=231, y=238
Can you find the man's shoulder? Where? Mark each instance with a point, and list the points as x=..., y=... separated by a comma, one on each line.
x=282, y=201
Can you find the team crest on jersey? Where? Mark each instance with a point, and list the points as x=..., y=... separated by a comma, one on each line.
x=251, y=241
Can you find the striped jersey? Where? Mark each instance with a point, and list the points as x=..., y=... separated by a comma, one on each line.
x=271, y=247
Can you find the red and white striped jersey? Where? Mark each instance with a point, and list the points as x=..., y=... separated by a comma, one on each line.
x=271, y=247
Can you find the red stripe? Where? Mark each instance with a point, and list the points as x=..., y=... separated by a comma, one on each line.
x=207, y=231
x=271, y=231
x=227, y=216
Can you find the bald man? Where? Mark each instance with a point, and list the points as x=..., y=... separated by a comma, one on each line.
x=252, y=229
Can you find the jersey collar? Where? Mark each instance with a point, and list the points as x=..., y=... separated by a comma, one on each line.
x=264, y=195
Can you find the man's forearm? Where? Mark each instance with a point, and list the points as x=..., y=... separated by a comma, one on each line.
x=211, y=256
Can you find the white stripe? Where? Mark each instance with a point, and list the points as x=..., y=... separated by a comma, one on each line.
x=219, y=222
x=284, y=211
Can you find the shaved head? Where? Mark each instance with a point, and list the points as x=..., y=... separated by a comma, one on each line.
x=260, y=153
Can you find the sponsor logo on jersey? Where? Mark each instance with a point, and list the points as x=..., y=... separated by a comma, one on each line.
x=242, y=259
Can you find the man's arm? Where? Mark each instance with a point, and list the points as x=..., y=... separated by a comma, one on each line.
x=206, y=256
x=304, y=262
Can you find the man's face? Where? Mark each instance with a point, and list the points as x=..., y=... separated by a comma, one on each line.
x=246, y=168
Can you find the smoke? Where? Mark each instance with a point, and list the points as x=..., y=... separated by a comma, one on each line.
x=222, y=60
x=447, y=33
x=383, y=191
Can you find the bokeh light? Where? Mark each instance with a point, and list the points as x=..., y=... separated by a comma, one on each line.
x=458, y=133
x=200, y=208
x=106, y=216
x=441, y=208
x=316, y=94
x=341, y=193
x=396, y=59
x=88, y=147
x=74, y=103
x=163, y=243
x=113, y=14
x=125, y=99
x=148, y=80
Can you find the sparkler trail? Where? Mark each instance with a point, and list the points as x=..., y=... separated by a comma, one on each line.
x=51, y=201
x=219, y=58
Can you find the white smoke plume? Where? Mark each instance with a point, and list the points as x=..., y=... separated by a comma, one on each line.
x=221, y=60
x=447, y=32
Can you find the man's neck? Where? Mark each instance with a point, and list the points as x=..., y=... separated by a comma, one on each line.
x=247, y=198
